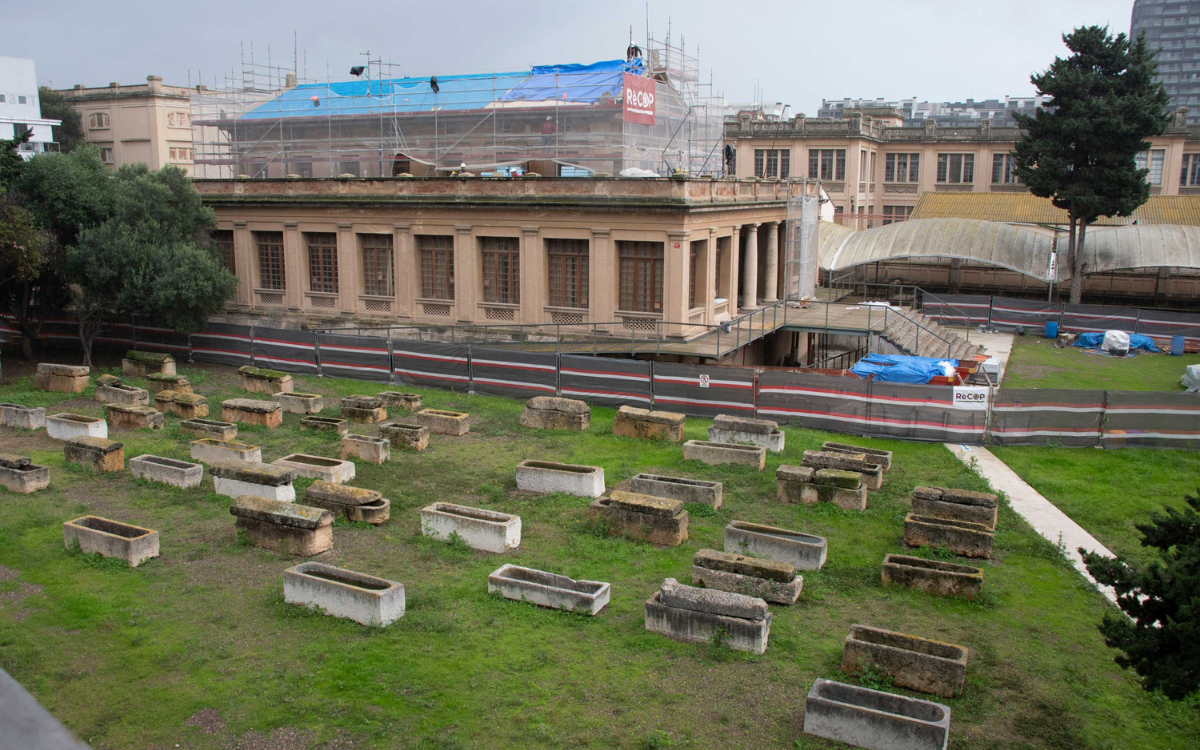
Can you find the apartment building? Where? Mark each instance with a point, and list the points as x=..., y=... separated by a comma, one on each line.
x=21, y=109
x=1172, y=29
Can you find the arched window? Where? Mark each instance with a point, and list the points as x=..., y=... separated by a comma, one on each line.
x=98, y=120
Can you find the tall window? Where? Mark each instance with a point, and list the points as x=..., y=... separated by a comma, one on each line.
x=1189, y=174
x=223, y=238
x=827, y=164
x=437, y=266
x=98, y=120
x=378, y=279
x=322, y=261
x=568, y=264
x=956, y=168
x=1004, y=169
x=1152, y=160
x=106, y=155
x=892, y=214
x=270, y=259
x=178, y=119
x=772, y=162
x=693, y=262
x=641, y=275
x=901, y=167
x=501, y=269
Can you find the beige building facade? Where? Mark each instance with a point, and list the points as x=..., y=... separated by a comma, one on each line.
x=148, y=123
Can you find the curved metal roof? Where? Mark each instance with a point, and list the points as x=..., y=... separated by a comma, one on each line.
x=1140, y=246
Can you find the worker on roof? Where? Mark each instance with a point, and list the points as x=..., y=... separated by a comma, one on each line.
x=548, y=131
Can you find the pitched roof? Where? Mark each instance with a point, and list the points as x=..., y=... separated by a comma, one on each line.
x=1025, y=208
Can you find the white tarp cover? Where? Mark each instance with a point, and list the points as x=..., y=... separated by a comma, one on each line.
x=1191, y=379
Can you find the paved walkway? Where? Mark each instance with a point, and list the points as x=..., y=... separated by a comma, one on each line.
x=1041, y=514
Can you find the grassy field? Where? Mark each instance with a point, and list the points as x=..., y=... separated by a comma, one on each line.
x=1035, y=363
x=197, y=650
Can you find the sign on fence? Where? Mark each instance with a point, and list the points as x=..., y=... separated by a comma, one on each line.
x=971, y=397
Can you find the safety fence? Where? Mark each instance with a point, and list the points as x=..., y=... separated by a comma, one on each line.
x=973, y=415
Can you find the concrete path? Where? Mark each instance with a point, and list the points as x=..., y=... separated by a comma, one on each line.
x=1042, y=515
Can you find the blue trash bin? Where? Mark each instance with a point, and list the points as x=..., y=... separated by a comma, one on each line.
x=1177, y=346
x=1051, y=329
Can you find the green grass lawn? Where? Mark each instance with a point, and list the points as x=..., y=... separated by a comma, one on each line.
x=197, y=649
x=1035, y=363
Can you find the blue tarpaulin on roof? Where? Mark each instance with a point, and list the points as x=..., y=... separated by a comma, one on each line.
x=573, y=83
x=898, y=368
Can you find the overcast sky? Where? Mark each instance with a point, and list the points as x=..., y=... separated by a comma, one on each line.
x=797, y=52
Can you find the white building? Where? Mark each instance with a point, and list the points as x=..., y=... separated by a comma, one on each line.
x=20, y=108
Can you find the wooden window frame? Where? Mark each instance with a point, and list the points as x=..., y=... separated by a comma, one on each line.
x=272, y=264
x=501, y=260
x=435, y=252
x=567, y=260
x=640, y=282
x=322, y=261
x=376, y=252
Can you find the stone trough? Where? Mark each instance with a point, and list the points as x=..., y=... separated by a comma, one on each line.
x=915, y=663
x=366, y=448
x=177, y=383
x=260, y=380
x=66, y=426
x=874, y=719
x=134, y=417
x=365, y=409
x=487, y=530
x=761, y=432
x=803, y=551
x=19, y=474
x=553, y=413
x=398, y=400
x=343, y=593
x=183, y=405
x=442, y=422
x=300, y=403
x=878, y=456
x=353, y=503
x=956, y=505
x=22, y=417
x=769, y=580
x=960, y=537
x=695, y=615
x=680, y=488
x=332, y=470
x=108, y=538
x=61, y=378
x=170, y=471
x=932, y=576
x=807, y=486
x=100, y=454
x=859, y=463
x=645, y=518
x=544, y=477
x=140, y=364
x=715, y=454
x=413, y=437
x=284, y=526
x=210, y=428
x=119, y=393
x=633, y=422
x=325, y=424
x=549, y=590
x=238, y=478
x=266, y=413
x=211, y=451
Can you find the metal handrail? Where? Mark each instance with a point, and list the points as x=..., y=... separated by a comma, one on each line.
x=917, y=343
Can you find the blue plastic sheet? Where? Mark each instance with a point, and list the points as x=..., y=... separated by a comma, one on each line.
x=898, y=368
x=1094, y=339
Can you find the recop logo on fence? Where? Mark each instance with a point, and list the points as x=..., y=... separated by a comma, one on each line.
x=971, y=397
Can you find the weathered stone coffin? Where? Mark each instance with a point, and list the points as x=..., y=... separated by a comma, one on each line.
x=300, y=403
x=761, y=432
x=874, y=719
x=915, y=663
x=284, y=526
x=211, y=451
x=803, y=551
x=956, y=505
x=769, y=580
x=552, y=413
x=643, y=423
x=109, y=538
x=326, y=424
x=355, y=503
x=414, y=437
x=441, y=422
x=266, y=413
x=366, y=448
x=22, y=417
x=680, y=488
x=544, y=477
x=101, y=454
x=365, y=409
x=66, y=426
x=932, y=576
x=237, y=478
x=210, y=428
x=398, y=400
x=549, y=590
x=189, y=406
x=141, y=364
x=19, y=474
x=714, y=454
x=343, y=593
x=259, y=380
x=878, y=456
x=332, y=470
x=119, y=393
x=134, y=417
x=960, y=537
x=164, y=382
x=166, y=470
x=61, y=378
x=487, y=530
x=645, y=518
x=860, y=463
x=695, y=615
x=805, y=485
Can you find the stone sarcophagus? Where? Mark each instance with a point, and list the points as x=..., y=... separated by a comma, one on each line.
x=65, y=426
x=769, y=580
x=397, y=400
x=266, y=413
x=859, y=463
x=873, y=719
x=715, y=454
x=413, y=437
x=803, y=551
x=22, y=417
x=365, y=409
x=19, y=474
x=808, y=486
x=960, y=537
x=696, y=615
x=915, y=663
x=549, y=590
x=108, y=538
x=260, y=380
x=164, y=382
x=100, y=454
x=544, y=477
x=487, y=530
x=300, y=403
x=183, y=405
x=681, y=488
x=630, y=421
x=109, y=392
x=236, y=478
x=332, y=470
x=140, y=364
x=761, y=432
x=441, y=422
x=956, y=505
x=877, y=455
x=210, y=428
x=170, y=471
x=553, y=413
x=353, y=503
x=283, y=526
x=61, y=378
x=932, y=576
x=134, y=417
x=343, y=593
x=211, y=451
x=645, y=518
x=325, y=424
x=366, y=448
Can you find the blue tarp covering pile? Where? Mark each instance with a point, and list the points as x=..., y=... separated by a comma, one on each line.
x=897, y=368
x=1095, y=339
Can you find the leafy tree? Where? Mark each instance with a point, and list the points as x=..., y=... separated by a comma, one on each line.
x=68, y=193
x=55, y=106
x=11, y=162
x=1162, y=641
x=25, y=251
x=1079, y=151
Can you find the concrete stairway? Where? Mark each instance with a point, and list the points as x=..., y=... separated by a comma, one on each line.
x=905, y=334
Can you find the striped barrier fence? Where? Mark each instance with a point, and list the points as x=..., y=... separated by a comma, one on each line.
x=1036, y=416
x=604, y=381
x=432, y=364
x=513, y=373
x=703, y=391
x=358, y=357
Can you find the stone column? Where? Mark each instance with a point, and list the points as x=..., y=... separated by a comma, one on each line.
x=404, y=270
x=295, y=266
x=534, y=292
x=733, y=269
x=349, y=270
x=245, y=264
x=466, y=266
x=771, y=283
x=710, y=274
x=750, y=264
x=676, y=269
x=602, y=278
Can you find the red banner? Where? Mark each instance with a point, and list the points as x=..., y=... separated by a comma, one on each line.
x=639, y=99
